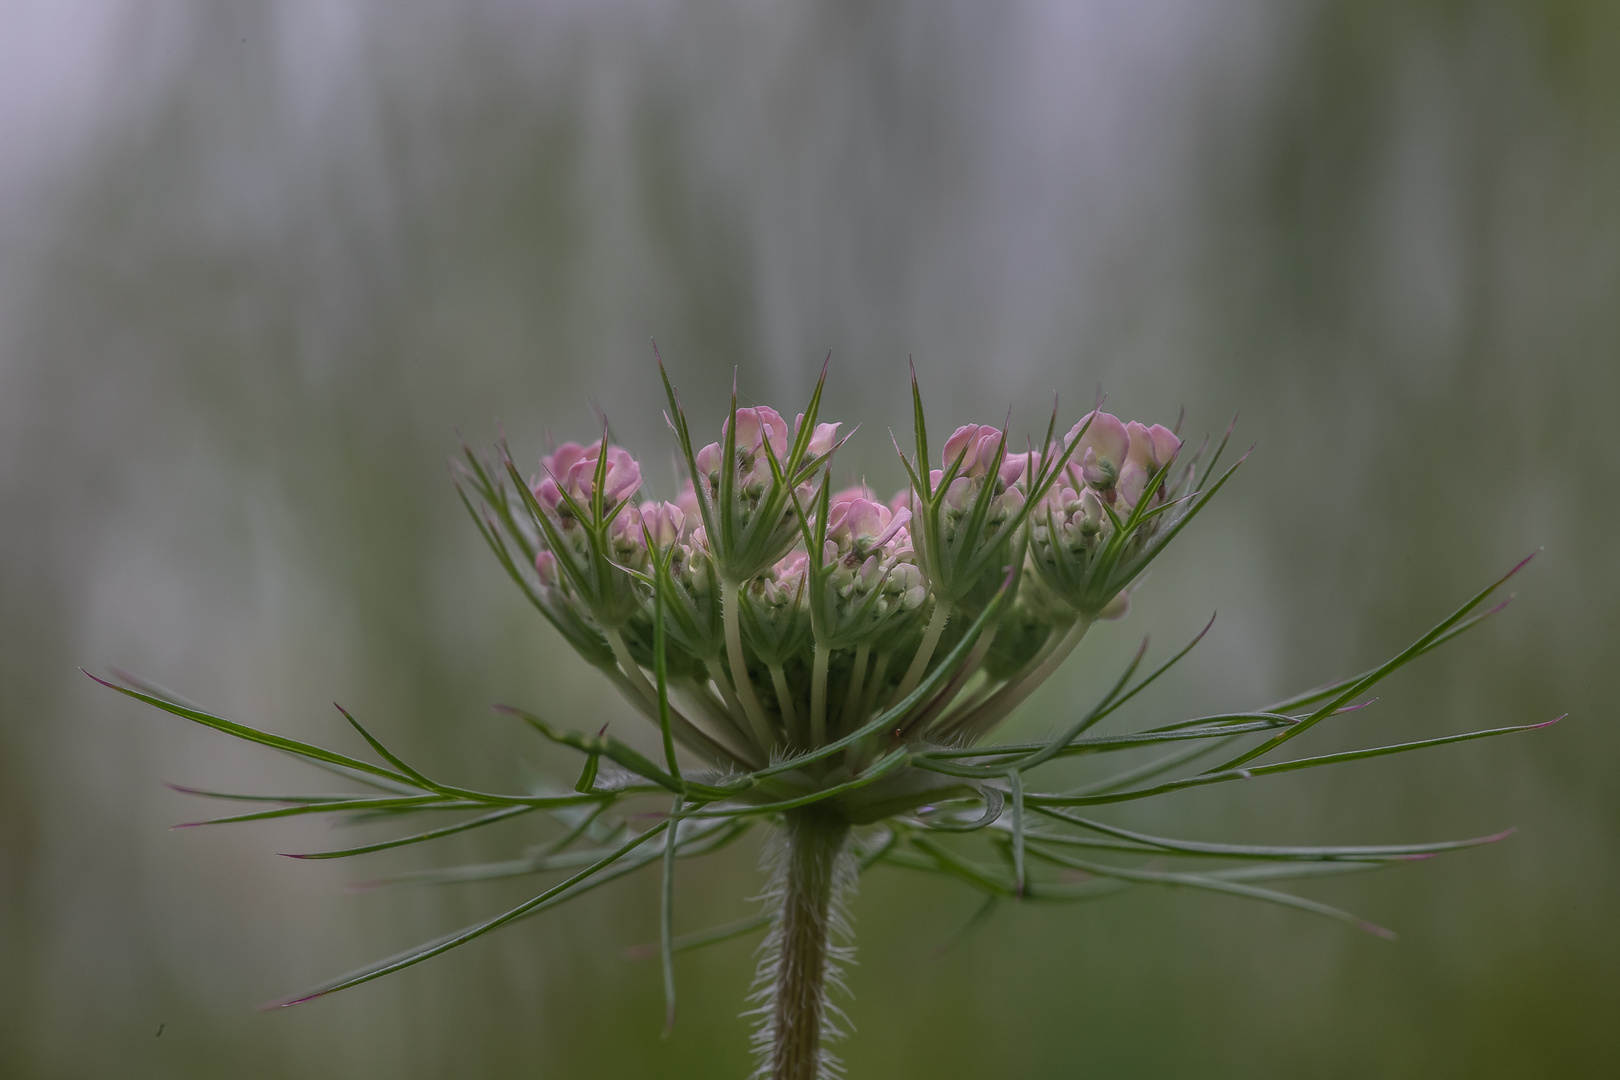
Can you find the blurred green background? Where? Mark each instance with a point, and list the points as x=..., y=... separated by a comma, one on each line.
x=259, y=261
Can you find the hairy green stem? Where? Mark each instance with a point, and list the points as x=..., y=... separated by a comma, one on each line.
x=799, y=999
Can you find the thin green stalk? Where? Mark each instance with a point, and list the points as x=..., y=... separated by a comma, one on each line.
x=857, y=678
x=925, y=651
x=730, y=600
x=1009, y=697
x=784, y=699
x=818, y=695
x=725, y=721
x=880, y=668
x=632, y=670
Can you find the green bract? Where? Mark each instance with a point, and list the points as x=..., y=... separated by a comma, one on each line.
x=832, y=664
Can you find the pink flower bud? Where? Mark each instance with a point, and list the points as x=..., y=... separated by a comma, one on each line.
x=822, y=439
x=1151, y=447
x=857, y=522
x=959, y=496
x=957, y=444
x=625, y=530
x=559, y=461
x=850, y=494
x=1095, y=471
x=792, y=564
x=548, y=493
x=1133, y=480
x=1013, y=467
x=755, y=425
x=976, y=445
x=709, y=460
x=1091, y=512
x=687, y=502
x=871, y=572
x=572, y=469
x=545, y=564
x=623, y=475
x=663, y=522
x=903, y=578
x=1102, y=447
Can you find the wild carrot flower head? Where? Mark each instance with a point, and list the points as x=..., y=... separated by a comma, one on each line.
x=833, y=663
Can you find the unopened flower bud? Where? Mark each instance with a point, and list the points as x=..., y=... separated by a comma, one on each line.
x=857, y=522
x=1097, y=471
x=1090, y=514
x=822, y=439
x=687, y=502
x=625, y=532
x=709, y=462
x=755, y=425
x=1102, y=447
x=663, y=522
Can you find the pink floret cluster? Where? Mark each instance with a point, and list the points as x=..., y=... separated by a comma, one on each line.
x=1111, y=467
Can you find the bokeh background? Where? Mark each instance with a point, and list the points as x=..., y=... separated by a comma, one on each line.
x=259, y=261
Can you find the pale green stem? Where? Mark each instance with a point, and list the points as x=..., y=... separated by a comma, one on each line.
x=925, y=651
x=723, y=721
x=818, y=696
x=632, y=682
x=922, y=718
x=730, y=598
x=857, y=679
x=784, y=700
x=729, y=696
x=988, y=692
x=632, y=670
x=1014, y=694
x=880, y=667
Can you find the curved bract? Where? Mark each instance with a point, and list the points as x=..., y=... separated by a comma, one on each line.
x=832, y=664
